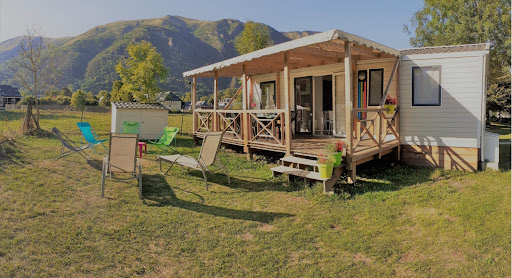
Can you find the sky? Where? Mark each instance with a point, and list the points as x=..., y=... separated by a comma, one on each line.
x=380, y=21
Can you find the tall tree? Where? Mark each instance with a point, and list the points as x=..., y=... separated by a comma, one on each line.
x=78, y=102
x=442, y=22
x=118, y=95
x=255, y=36
x=104, y=98
x=142, y=71
x=34, y=69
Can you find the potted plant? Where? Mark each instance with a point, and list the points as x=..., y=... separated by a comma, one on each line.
x=338, y=153
x=325, y=165
x=390, y=104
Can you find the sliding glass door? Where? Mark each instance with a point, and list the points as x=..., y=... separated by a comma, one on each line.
x=303, y=105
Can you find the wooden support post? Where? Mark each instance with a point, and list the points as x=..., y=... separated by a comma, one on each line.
x=194, y=115
x=215, y=117
x=245, y=114
x=397, y=119
x=288, y=120
x=348, y=113
x=385, y=95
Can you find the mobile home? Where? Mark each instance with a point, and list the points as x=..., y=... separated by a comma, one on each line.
x=299, y=95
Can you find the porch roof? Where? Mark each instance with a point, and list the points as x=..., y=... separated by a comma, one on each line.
x=319, y=49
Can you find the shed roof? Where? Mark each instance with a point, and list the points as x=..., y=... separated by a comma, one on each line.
x=323, y=45
x=9, y=91
x=138, y=105
x=446, y=49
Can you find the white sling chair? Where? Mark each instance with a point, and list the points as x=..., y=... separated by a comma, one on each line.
x=207, y=157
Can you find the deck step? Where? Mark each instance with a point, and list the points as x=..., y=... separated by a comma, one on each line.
x=298, y=160
x=299, y=173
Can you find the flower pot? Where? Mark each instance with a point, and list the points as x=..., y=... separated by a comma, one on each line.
x=337, y=159
x=391, y=108
x=325, y=170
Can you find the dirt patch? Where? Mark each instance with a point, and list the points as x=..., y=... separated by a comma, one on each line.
x=334, y=226
x=450, y=218
x=412, y=257
x=362, y=258
x=247, y=236
x=402, y=271
x=299, y=257
x=266, y=228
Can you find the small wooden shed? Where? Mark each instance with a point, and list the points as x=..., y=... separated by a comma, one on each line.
x=152, y=118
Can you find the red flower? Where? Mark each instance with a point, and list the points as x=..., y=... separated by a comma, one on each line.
x=339, y=146
x=391, y=100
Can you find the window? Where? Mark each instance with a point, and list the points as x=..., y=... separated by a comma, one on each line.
x=426, y=86
x=268, y=95
x=376, y=87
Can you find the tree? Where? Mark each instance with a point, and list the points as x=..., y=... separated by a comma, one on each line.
x=34, y=69
x=78, y=101
x=187, y=97
x=118, y=94
x=142, y=71
x=465, y=22
x=66, y=92
x=255, y=36
x=91, y=99
x=104, y=98
x=53, y=93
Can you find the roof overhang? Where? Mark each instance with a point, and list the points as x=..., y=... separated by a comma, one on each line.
x=319, y=49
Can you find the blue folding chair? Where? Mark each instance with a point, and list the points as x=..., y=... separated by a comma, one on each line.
x=90, y=136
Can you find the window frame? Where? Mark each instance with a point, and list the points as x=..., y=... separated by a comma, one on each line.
x=369, y=80
x=275, y=92
x=439, y=98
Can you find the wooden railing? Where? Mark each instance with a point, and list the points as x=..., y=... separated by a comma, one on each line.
x=232, y=123
x=375, y=129
x=265, y=127
x=204, y=120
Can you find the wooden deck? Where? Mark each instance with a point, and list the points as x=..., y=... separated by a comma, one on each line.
x=313, y=146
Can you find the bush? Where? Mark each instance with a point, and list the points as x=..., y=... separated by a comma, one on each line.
x=63, y=100
x=28, y=99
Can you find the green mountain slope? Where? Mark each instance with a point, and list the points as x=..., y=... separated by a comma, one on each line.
x=87, y=61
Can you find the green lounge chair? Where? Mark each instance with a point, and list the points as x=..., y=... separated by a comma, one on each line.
x=90, y=136
x=165, y=139
x=130, y=127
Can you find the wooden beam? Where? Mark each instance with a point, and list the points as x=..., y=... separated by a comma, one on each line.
x=215, y=101
x=194, y=100
x=385, y=95
x=278, y=92
x=288, y=124
x=348, y=111
x=233, y=98
x=245, y=114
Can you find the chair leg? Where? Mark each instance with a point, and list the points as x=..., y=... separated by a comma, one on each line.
x=205, y=179
x=103, y=174
x=140, y=180
x=104, y=147
x=221, y=165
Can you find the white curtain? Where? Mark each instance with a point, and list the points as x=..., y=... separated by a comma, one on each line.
x=426, y=85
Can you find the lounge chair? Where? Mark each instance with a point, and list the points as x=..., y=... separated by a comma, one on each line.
x=122, y=159
x=90, y=136
x=165, y=139
x=207, y=156
x=70, y=146
x=130, y=127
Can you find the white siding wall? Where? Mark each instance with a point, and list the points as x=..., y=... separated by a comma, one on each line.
x=151, y=121
x=458, y=121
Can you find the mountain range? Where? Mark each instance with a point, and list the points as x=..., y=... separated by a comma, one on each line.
x=87, y=61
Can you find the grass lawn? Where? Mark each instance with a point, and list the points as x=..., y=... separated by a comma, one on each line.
x=398, y=220
x=501, y=129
